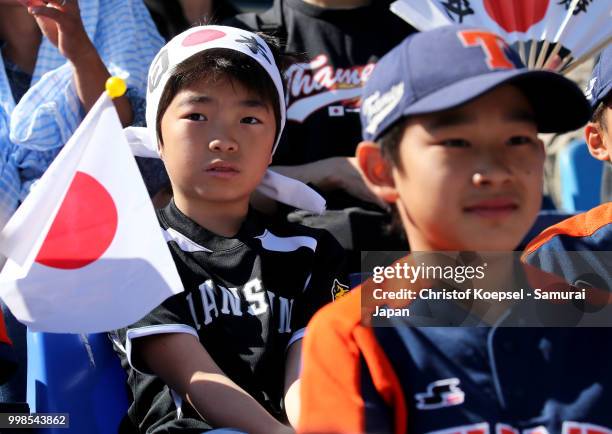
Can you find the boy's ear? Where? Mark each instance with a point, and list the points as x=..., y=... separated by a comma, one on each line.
x=595, y=141
x=376, y=171
x=160, y=149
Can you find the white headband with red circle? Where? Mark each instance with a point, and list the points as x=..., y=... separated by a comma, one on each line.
x=144, y=141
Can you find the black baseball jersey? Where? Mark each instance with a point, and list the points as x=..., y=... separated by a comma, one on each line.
x=340, y=49
x=324, y=94
x=247, y=299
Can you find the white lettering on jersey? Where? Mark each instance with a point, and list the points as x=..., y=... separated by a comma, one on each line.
x=502, y=428
x=192, y=310
x=568, y=427
x=477, y=428
x=537, y=430
x=285, y=308
x=256, y=296
x=311, y=86
x=306, y=78
x=584, y=428
x=208, y=301
x=230, y=300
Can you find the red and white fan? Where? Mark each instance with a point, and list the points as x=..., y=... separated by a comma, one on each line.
x=551, y=34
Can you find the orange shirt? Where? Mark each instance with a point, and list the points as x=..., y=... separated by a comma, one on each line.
x=579, y=228
x=334, y=390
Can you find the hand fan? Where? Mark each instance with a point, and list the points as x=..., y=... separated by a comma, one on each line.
x=551, y=34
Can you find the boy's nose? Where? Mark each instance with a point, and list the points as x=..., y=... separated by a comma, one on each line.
x=493, y=172
x=222, y=145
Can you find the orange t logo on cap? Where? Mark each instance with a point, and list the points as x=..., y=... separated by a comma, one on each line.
x=492, y=44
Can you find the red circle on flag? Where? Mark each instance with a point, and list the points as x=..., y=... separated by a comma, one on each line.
x=84, y=227
x=516, y=15
x=202, y=36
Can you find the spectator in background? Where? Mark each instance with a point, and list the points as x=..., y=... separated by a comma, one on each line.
x=579, y=248
x=606, y=179
x=343, y=39
x=173, y=16
x=49, y=81
x=55, y=58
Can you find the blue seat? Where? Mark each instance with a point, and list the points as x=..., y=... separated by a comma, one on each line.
x=580, y=176
x=79, y=375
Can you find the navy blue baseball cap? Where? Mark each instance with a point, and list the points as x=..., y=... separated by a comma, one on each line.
x=443, y=68
x=600, y=83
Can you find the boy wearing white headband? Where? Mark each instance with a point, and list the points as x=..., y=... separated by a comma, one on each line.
x=226, y=351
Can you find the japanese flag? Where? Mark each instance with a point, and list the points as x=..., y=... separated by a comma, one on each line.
x=85, y=252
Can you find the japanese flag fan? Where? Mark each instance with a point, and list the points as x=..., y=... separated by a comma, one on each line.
x=552, y=34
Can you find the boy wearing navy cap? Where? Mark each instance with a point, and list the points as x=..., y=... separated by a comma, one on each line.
x=450, y=120
x=556, y=249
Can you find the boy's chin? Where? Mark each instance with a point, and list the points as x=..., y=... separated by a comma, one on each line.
x=495, y=247
x=498, y=239
x=500, y=243
x=486, y=241
x=219, y=197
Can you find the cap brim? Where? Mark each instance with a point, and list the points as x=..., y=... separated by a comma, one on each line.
x=602, y=95
x=558, y=103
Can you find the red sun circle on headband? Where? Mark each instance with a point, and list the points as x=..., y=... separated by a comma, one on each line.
x=84, y=227
x=516, y=15
x=202, y=36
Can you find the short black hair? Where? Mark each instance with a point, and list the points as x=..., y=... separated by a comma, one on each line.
x=390, y=140
x=220, y=63
x=389, y=144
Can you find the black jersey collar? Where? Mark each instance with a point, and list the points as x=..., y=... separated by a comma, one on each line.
x=174, y=218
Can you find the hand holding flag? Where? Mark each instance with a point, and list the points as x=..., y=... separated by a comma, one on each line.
x=85, y=252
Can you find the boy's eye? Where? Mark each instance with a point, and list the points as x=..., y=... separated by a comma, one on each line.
x=520, y=140
x=250, y=120
x=455, y=143
x=196, y=117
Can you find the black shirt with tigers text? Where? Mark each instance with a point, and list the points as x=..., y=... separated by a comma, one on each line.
x=246, y=299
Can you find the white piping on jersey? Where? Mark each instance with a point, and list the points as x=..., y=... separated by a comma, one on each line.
x=140, y=332
x=299, y=334
x=274, y=243
x=184, y=243
x=307, y=282
x=115, y=340
x=178, y=403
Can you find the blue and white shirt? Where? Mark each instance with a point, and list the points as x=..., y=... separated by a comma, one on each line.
x=33, y=130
